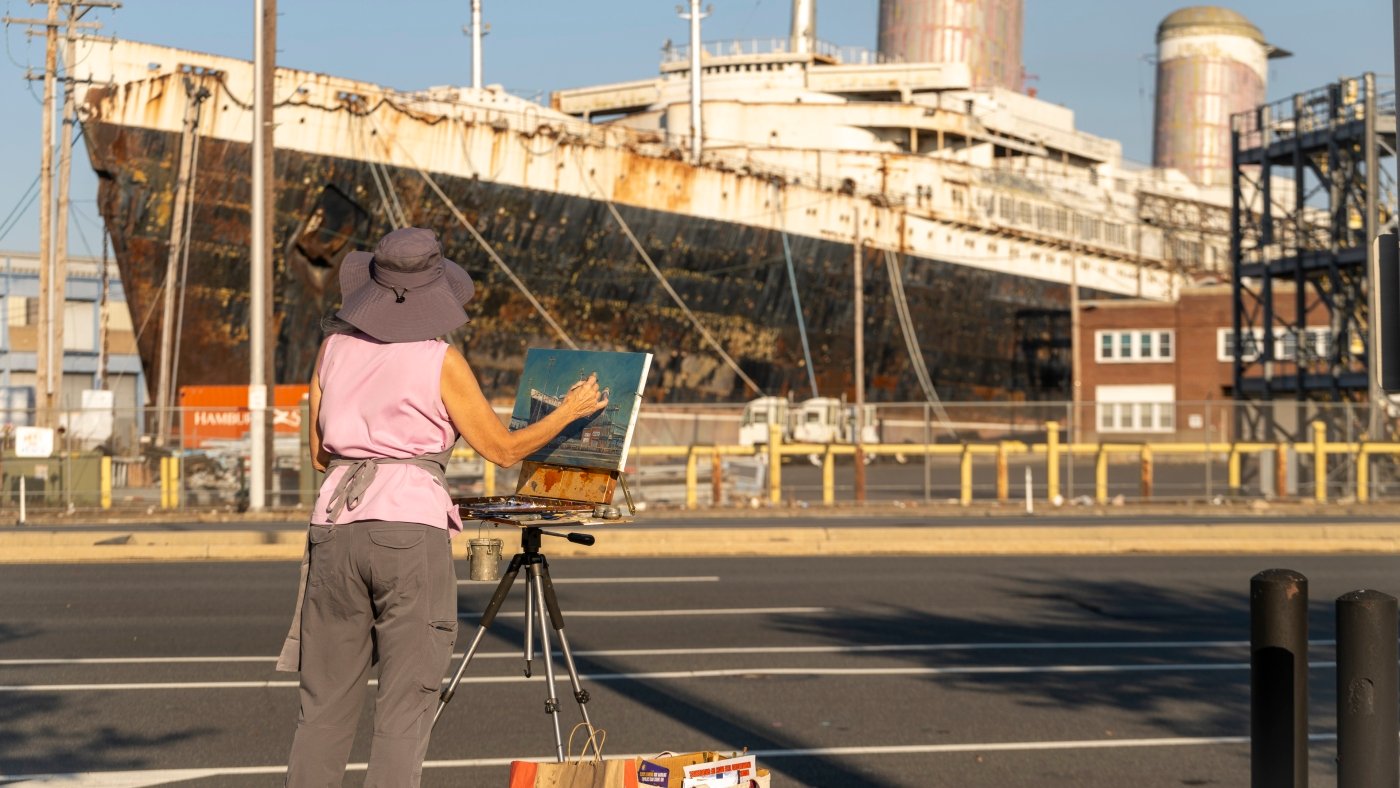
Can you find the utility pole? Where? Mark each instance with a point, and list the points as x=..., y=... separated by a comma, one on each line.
x=174, y=284
x=103, y=319
x=59, y=276
x=53, y=247
x=697, y=130
x=260, y=278
x=859, y=418
x=1075, y=394
x=44, y=359
x=1374, y=396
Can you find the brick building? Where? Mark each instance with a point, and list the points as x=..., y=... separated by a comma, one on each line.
x=1151, y=367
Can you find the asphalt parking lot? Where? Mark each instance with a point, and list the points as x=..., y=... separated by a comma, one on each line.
x=882, y=671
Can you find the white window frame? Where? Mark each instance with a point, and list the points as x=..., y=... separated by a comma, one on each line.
x=1135, y=409
x=1154, y=354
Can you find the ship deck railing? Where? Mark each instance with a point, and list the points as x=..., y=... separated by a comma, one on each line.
x=749, y=48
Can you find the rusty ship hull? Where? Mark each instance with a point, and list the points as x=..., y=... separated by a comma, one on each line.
x=581, y=266
x=987, y=253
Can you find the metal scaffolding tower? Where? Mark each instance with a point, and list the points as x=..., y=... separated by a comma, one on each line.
x=1310, y=192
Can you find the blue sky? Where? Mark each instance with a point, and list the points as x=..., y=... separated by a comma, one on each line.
x=1089, y=55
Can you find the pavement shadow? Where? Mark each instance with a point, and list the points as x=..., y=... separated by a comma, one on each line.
x=12, y=632
x=34, y=740
x=50, y=749
x=718, y=724
x=1067, y=610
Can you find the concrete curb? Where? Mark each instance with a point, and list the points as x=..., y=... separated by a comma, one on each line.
x=1318, y=538
x=842, y=511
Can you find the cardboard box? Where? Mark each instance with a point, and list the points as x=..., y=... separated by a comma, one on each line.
x=676, y=764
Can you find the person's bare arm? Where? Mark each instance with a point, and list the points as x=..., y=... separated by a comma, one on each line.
x=320, y=458
x=473, y=417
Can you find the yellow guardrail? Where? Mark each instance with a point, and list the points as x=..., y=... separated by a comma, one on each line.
x=1053, y=452
x=169, y=483
x=104, y=483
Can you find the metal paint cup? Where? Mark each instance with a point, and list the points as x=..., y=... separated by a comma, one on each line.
x=485, y=559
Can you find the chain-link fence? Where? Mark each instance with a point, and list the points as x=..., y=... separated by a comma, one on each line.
x=720, y=454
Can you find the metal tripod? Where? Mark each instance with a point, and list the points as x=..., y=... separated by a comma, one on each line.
x=540, y=603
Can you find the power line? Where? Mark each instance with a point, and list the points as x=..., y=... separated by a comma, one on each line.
x=27, y=199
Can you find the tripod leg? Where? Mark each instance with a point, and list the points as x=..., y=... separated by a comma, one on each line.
x=551, y=704
x=556, y=620
x=530, y=618
x=487, y=617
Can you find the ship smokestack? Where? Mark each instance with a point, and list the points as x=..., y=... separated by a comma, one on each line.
x=804, y=26
x=985, y=35
x=477, y=33
x=1211, y=63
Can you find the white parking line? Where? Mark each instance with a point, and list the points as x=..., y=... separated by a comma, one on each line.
x=151, y=685
x=746, y=672
x=142, y=779
x=892, y=648
x=716, y=611
x=5, y=663
x=1020, y=746
x=589, y=580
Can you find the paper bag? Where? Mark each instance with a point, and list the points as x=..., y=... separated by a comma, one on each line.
x=583, y=772
x=608, y=773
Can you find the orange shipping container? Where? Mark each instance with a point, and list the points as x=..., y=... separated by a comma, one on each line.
x=221, y=412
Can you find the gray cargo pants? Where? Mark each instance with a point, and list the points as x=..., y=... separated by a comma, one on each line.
x=382, y=589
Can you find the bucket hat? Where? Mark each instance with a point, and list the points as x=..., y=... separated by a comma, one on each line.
x=405, y=290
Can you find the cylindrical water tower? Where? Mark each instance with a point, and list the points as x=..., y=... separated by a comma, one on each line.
x=1211, y=63
x=984, y=34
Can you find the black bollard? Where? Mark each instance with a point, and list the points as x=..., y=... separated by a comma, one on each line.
x=1368, y=751
x=1278, y=679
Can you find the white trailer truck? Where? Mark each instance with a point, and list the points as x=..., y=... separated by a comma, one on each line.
x=817, y=420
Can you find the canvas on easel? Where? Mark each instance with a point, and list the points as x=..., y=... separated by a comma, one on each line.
x=601, y=440
x=583, y=463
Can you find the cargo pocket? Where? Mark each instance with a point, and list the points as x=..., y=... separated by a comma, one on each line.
x=397, y=538
x=442, y=609
x=442, y=635
x=400, y=565
x=322, y=538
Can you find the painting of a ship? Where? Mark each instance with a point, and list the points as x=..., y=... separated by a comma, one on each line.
x=600, y=441
x=541, y=405
x=601, y=221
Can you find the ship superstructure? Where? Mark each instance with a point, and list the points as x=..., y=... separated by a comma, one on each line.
x=975, y=210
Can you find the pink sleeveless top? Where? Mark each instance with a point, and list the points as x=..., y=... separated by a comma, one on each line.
x=384, y=399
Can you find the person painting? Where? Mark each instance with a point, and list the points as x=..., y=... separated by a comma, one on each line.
x=388, y=400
